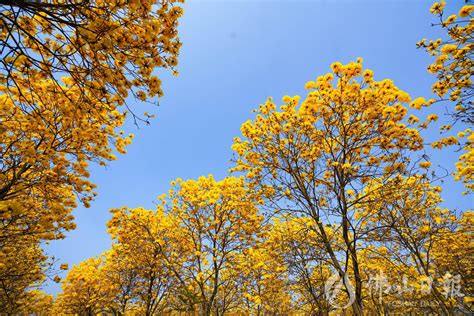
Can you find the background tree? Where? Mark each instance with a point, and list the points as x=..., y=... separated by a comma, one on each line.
x=84, y=289
x=140, y=257
x=452, y=253
x=404, y=231
x=299, y=245
x=193, y=235
x=123, y=278
x=262, y=282
x=453, y=68
x=219, y=219
x=22, y=266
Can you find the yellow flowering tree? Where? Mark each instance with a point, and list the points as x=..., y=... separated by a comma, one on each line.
x=453, y=68
x=66, y=71
x=297, y=242
x=452, y=253
x=406, y=226
x=123, y=277
x=318, y=156
x=262, y=282
x=84, y=289
x=137, y=265
x=22, y=266
x=218, y=220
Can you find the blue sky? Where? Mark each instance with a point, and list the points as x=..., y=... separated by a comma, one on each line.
x=235, y=55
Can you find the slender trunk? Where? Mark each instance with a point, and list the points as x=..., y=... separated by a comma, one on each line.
x=357, y=305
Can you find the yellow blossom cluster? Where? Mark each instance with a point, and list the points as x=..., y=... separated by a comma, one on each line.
x=465, y=165
x=109, y=48
x=369, y=115
x=453, y=65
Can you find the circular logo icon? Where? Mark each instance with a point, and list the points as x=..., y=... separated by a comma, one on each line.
x=332, y=290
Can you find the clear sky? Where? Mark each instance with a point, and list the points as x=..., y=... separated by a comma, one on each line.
x=235, y=55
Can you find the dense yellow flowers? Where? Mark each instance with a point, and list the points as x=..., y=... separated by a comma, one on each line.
x=465, y=165
x=183, y=252
x=453, y=65
x=206, y=249
x=466, y=11
x=453, y=68
x=82, y=289
x=21, y=266
x=65, y=75
x=367, y=116
x=109, y=48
